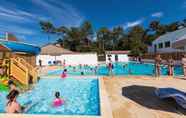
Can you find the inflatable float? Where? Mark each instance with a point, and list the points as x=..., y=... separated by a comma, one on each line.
x=177, y=95
x=3, y=88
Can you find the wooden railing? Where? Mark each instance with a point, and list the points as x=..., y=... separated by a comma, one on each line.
x=20, y=70
x=31, y=69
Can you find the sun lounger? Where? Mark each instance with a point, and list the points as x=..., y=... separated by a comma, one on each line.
x=177, y=95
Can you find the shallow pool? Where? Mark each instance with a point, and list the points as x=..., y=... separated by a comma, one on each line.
x=131, y=68
x=81, y=97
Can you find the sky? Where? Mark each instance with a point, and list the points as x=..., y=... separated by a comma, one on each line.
x=21, y=17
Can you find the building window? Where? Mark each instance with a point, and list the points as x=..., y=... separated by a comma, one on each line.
x=160, y=45
x=167, y=44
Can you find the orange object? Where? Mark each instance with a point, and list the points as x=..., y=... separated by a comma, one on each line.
x=5, y=82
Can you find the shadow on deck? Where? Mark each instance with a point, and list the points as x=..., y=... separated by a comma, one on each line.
x=146, y=97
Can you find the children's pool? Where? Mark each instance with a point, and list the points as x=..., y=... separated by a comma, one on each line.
x=81, y=97
x=131, y=68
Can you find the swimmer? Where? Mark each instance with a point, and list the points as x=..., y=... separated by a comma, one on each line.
x=80, y=66
x=11, y=85
x=13, y=106
x=58, y=101
x=64, y=74
x=95, y=69
x=82, y=73
x=74, y=69
x=125, y=65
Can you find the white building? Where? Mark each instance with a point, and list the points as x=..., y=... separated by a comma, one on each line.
x=117, y=56
x=53, y=55
x=167, y=42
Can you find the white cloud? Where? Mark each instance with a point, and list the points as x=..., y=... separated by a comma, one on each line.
x=16, y=29
x=157, y=14
x=61, y=11
x=134, y=23
x=184, y=4
x=17, y=15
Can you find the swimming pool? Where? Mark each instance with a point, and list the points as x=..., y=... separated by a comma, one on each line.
x=131, y=68
x=81, y=97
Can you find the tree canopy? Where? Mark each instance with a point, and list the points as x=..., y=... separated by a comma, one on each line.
x=84, y=38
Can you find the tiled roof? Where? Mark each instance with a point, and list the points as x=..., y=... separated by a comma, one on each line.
x=52, y=49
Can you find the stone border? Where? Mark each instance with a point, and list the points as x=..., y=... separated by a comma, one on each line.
x=105, y=108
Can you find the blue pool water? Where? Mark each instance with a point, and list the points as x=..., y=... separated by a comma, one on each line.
x=81, y=97
x=131, y=68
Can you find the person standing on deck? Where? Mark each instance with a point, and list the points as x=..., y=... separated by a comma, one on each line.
x=110, y=66
x=157, y=65
x=184, y=64
x=64, y=63
x=171, y=67
x=40, y=63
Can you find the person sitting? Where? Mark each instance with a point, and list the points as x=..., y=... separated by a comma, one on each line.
x=13, y=106
x=58, y=101
x=64, y=74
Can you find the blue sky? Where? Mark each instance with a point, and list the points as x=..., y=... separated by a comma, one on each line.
x=21, y=17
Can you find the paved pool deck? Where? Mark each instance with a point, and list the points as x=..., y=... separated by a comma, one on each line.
x=133, y=97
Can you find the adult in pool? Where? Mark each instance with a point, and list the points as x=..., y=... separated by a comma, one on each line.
x=125, y=65
x=58, y=101
x=12, y=105
x=95, y=70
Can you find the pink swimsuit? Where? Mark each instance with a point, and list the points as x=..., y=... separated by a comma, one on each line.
x=63, y=75
x=58, y=102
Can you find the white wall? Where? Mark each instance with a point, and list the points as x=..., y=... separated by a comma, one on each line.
x=162, y=50
x=45, y=59
x=121, y=58
x=172, y=37
x=70, y=59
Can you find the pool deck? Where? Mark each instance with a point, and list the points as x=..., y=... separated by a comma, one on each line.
x=133, y=97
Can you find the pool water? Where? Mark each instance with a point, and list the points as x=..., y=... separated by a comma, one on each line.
x=137, y=69
x=81, y=97
x=131, y=68
x=87, y=70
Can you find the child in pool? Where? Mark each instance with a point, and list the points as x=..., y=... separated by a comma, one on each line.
x=13, y=106
x=11, y=85
x=58, y=101
x=64, y=74
x=74, y=69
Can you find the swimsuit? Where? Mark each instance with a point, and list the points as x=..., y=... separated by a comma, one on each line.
x=58, y=102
